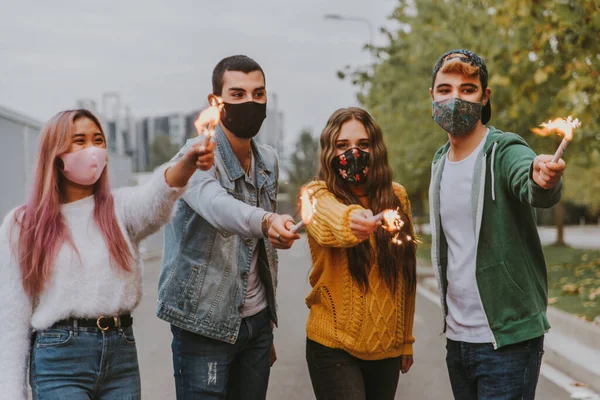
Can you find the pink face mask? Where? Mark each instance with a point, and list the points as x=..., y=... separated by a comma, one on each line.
x=84, y=166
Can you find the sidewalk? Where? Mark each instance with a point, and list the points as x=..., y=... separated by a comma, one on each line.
x=572, y=345
x=579, y=237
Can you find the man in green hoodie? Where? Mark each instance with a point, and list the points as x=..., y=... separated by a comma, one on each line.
x=486, y=251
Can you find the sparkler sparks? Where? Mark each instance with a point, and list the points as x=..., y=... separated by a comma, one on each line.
x=561, y=126
x=393, y=223
x=308, y=207
x=209, y=118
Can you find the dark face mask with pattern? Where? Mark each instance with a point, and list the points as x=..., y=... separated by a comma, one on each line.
x=456, y=116
x=352, y=166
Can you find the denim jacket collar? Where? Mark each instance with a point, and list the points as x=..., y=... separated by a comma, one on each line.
x=232, y=165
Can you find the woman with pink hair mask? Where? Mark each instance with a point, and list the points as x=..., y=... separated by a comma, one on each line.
x=70, y=266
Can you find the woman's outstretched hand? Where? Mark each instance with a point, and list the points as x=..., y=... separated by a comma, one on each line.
x=197, y=157
x=362, y=224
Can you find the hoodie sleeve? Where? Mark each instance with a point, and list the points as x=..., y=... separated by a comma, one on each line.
x=515, y=159
x=15, y=314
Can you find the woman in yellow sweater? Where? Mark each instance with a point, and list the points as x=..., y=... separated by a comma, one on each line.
x=362, y=301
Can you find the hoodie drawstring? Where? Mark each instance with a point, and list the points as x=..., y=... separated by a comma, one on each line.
x=493, y=186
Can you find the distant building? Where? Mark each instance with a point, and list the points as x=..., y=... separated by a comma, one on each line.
x=19, y=136
x=172, y=125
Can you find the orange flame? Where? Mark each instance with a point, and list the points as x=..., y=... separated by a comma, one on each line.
x=308, y=206
x=209, y=118
x=561, y=126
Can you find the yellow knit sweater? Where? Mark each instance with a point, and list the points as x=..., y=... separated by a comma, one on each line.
x=371, y=326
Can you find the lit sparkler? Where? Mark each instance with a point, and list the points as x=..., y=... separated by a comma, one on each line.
x=308, y=207
x=209, y=118
x=561, y=126
x=393, y=223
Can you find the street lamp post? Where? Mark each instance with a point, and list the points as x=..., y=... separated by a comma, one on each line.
x=339, y=17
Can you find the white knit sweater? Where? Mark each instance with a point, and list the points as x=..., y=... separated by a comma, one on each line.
x=83, y=285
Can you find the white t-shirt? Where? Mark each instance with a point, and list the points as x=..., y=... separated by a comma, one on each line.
x=256, y=300
x=466, y=320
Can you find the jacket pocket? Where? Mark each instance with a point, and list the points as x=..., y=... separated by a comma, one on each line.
x=504, y=301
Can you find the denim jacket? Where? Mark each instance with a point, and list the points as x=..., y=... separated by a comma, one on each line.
x=209, y=242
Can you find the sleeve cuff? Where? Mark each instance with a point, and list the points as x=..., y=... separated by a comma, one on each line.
x=161, y=180
x=255, y=222
x=407, y=349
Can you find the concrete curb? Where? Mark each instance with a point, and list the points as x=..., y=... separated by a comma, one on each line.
x=571, y=345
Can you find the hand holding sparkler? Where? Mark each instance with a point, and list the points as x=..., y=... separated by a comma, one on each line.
x=196, y=157
x=209, y=118
x=548, y=170
x=280, y=233
x=363, y=224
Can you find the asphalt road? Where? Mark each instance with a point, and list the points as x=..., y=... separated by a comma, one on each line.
x=427, y=379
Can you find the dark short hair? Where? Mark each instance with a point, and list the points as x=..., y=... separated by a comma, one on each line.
x=468, y=57
x=233, y=63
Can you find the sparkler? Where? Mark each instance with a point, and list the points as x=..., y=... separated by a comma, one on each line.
x=308, y=207
x=209, y=118
x=393, y=223
x=563, y=126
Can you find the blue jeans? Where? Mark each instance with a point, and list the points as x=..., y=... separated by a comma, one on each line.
x=477, y=371
x=86, y=363
x=211, y=369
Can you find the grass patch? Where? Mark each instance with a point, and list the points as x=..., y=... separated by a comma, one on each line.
x=574, y=280
x=573, y=277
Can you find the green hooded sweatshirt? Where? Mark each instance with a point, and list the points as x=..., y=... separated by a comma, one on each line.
x=510, y=268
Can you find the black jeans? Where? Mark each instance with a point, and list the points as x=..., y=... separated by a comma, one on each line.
x=479, y=372
x=336, y=375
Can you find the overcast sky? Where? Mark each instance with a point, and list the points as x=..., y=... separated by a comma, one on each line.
x=160, y=54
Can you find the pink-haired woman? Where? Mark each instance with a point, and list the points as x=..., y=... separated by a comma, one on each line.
x=70, y=266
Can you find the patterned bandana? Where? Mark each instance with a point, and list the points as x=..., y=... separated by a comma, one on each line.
x=456, y=116
x=352, y=165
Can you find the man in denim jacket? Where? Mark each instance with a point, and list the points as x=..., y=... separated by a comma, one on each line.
x=219, y=273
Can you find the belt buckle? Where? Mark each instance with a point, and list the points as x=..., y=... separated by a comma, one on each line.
x=102, y=328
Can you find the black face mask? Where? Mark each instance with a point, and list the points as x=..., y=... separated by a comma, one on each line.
x=243, y=119
x=352, y=166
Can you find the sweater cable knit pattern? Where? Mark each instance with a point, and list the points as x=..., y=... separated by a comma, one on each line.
x=370, y=325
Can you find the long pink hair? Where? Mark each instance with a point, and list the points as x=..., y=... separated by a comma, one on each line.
x=42, y=227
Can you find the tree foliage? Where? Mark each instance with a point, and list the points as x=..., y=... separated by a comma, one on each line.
x=304, y=162
x=543, y=58
x=161, y=150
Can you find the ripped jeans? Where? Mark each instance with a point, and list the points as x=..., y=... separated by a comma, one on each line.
x=211, y=369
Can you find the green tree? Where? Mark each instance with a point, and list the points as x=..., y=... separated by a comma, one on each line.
x=304, y=162
x=543, y=57
x=161, y=150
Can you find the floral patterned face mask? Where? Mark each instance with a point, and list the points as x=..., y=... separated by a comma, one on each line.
x=352, y=165
x=456, y=116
